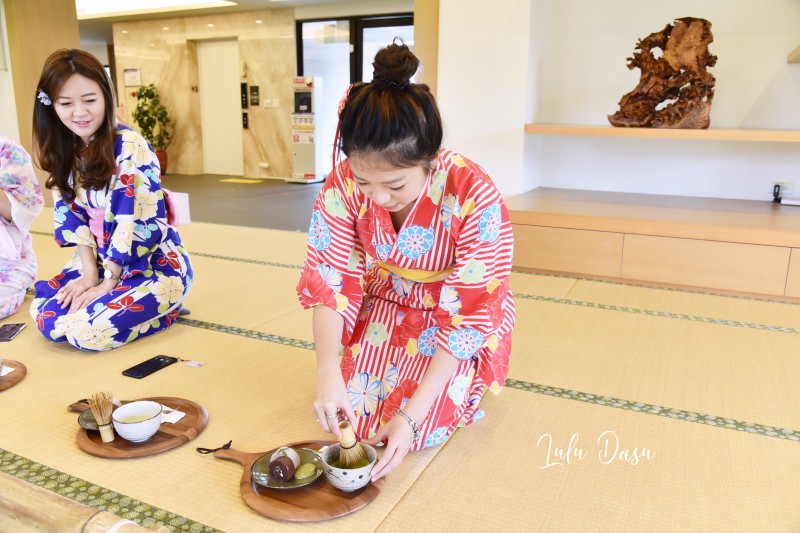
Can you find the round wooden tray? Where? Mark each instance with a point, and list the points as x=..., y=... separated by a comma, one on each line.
x=313, y=503
x=6, y=382
x=167, y=437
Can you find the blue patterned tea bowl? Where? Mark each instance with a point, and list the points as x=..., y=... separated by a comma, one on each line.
x=347, y=479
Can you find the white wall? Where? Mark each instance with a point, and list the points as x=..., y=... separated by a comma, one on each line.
x=484, y=86
x=8, y=106
x=98, y=50
x=584, y=75
x=569, y=58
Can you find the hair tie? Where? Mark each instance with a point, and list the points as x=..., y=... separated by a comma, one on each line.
x=43, y=98
x=392, y=83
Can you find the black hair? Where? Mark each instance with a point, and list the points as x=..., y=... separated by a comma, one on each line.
x=391, y=117
x=56, y=148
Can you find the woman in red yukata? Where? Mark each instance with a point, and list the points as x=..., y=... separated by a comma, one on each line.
x=408, y=265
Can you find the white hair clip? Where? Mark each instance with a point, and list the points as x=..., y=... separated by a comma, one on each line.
x=43, y=98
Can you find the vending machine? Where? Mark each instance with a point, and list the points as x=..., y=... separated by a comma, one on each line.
x=308, y=147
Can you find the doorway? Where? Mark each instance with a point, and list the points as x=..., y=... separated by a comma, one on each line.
x=220, y=107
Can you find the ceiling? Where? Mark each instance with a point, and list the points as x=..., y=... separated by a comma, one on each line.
x=98, y=30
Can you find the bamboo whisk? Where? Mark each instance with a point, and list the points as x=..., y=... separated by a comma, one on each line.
x=101, y=405
x=351, y=454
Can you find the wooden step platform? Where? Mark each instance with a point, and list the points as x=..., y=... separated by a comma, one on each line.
x=730, y=245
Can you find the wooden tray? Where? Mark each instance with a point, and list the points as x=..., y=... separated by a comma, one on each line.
x=167, y=437
x=6, y=382
x=312, y=503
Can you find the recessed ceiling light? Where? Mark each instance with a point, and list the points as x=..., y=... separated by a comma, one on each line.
x=165, y=28
x=92, y=9
x=124, y=31
x=259, y=22
x=210, y=25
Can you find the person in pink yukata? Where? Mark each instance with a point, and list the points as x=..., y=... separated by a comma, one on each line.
x=407, y=265
x=20, y=204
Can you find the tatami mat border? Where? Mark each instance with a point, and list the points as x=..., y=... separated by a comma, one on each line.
x=95, y=496
x=245, y=260
x=253, y=334
x=658, y=410
x=607, y=401
x=524, y=272
x=644, y=285
x=662, y=314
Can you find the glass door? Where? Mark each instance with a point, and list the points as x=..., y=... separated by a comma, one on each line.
x=372, y=34
x=339, y=52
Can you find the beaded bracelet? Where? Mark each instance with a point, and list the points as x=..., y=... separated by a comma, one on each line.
x=414, y=426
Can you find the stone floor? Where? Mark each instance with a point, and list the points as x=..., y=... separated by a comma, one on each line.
x=268, y=204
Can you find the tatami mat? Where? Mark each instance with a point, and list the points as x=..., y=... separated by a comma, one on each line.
x=748, y=310
x=683, y=354
x=257, y=394
x=249, y=243
x=722, y=370
x=699, y=478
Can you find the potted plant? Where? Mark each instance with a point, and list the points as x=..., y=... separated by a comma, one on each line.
x=153, y=120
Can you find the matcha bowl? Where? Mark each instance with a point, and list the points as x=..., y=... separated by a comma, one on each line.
x=347, y=479
x=137, y=421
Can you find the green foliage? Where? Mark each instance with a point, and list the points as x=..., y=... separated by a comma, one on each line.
x=152, y=118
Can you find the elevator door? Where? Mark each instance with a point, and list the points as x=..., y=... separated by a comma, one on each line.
x=220, y=107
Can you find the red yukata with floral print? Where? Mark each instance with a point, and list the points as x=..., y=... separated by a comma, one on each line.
x=441, y=280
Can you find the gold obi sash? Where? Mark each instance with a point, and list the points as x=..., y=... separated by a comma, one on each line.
x=420, y=276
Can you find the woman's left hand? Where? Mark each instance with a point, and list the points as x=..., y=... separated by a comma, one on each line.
x=81, y=301
x=399, y=439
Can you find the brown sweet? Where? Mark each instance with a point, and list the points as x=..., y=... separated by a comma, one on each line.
x=281, y=469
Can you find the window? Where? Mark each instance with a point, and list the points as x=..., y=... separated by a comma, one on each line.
x=343, y=49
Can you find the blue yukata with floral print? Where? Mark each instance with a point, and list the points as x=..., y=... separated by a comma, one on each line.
x=134, y=234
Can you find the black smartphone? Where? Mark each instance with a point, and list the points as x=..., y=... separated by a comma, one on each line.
x=9, y=331
x=145, y=368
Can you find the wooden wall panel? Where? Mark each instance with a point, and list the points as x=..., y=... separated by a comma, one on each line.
x=426, y=40
x=596, y=253
x=719, y=265
x=36, y=29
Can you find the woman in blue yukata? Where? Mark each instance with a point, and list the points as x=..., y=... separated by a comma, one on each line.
x=130, y=272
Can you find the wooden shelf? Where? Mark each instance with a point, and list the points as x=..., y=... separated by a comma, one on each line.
x=794, y=57
x=792, y=136
x=743, y=221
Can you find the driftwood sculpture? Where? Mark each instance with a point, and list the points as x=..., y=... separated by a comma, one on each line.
x=675, y=90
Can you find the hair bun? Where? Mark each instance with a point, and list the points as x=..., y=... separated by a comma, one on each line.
x=395, y=65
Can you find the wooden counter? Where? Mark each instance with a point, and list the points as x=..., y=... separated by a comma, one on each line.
x=730, y=245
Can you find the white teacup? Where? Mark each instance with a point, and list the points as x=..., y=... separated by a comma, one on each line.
x=137, y=421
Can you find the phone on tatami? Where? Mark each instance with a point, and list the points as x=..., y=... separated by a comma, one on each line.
x=9, y=331
x=145, y=368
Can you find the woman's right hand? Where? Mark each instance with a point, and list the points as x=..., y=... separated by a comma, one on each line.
x=332, y=402
x=67, y=294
